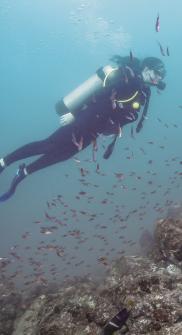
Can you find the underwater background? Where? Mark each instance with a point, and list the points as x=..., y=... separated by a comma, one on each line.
x=48, y=47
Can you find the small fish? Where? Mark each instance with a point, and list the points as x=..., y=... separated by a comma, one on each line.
x=157, y=24
x=94, y=150
x=143, y=151
x=76, y=160
x=131, y=56
x=97, y=168
x=167, y=51
x=132, y=132
x=82, y=192
x=161, y=49
x=82, y=172
x=37, y=222
x=60, y=252
x=48, y=216
x=110, y=148
x=158, y=119
x=119, y=175
x=79, y=144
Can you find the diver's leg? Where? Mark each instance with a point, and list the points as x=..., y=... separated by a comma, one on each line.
x=20, y=175
x=28, y=150
x=58, y=153
x=44, y=161
x=51, y=159
x=34, y=148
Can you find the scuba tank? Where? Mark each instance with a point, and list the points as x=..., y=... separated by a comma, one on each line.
x=83, y=94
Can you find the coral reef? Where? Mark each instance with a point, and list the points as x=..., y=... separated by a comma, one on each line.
x=11, y=304
x=150, y=287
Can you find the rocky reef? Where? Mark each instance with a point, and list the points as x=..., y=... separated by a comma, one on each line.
x=10, y=302
x=150, y=287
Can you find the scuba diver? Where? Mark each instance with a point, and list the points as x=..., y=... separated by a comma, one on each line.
x=103, y=104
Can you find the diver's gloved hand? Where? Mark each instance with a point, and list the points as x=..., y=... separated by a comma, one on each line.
x=66, y=119
x=20, y=175
x=2, y=165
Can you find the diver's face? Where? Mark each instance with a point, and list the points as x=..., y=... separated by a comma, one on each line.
x=150, y=76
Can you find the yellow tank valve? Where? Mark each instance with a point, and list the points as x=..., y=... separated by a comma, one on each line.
x=135, y=105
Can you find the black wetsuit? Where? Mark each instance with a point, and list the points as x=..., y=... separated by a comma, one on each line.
x=98, y=117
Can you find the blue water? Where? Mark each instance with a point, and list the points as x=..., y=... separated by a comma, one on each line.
x=47, y=49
